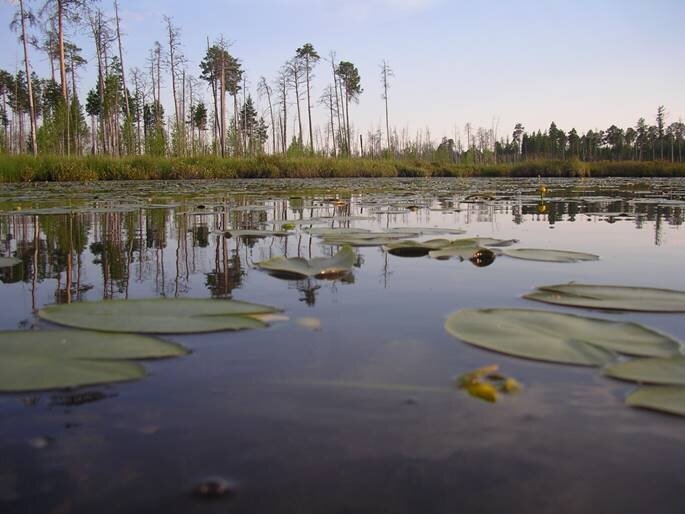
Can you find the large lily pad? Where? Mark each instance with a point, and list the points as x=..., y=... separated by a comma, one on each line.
x=661, y=398
x=556, y=337
x=425, y=231
x=256, y=233
x=328, y=231
x=321, y=267
x=611, y=297
x=661, y=370
x=415, y=248
x=35, y=360
x=159, y=316
x=82, y=344
x=539, y=254
x=34, y=373
x=464, y=249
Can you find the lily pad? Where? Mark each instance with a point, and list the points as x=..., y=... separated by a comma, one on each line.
x=321, y=267
x=415, y=248
x=8, y=262
x=428, y=230
x=52, y=359
x=556, y=337
x=34, y=373
x=538, y=254
x=82, y=344
x=661, y=398
x=464, y=249
x=624, y=298
x=158, y=316
x=661, y=370
x=327, y=231
x=256, y=233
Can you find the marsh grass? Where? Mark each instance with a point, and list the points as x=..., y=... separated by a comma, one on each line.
x=60, y=169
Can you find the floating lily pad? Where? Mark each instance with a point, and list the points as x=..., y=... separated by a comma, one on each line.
x=465, y=249
x=358, y=242
x=51, y=359
x=556, y=337
x=625, y=298
x=8, y=262
x=321, y=267
x=82, y=344
x=256, y=233
x=158, y=316
x=660, y=370
x=33, y=373
x=327, y=231
x=415, y=248
x=661, y=398
x=538, y=254
x=428, y=230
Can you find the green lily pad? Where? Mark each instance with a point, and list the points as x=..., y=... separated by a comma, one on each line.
x=327, y=231
x=556, y=337
x=158, y=316
x=321, y=267
x=537, y=254
x=82, y=344
x=256, y=233
x=660, y=370
x=34, y=373
x=426, y=231
x=415, y=248
x=54, y=359
x=661, y=398
x=8, y=262
x=624, y=298
x=358, y=242
x=465, y=249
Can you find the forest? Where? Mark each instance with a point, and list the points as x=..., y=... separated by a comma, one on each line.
x=124, y=115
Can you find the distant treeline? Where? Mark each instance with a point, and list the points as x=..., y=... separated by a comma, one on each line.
x=89, y=168
x=215, y=110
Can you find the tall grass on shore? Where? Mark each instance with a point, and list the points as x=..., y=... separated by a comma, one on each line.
x=24, y=168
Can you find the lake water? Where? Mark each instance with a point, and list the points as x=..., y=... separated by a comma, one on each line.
x=355, y=410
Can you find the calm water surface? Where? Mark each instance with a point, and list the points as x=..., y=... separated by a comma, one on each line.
x=360, y=416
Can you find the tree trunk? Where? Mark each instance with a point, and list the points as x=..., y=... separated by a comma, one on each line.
x=121, y=60
x=32, y=109
x=309, y=109
x=296, y=78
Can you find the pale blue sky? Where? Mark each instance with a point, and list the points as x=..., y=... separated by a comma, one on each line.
x=583, y=64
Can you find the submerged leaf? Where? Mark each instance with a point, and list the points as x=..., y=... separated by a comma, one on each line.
x=158, y=316
x=625, y=298
x=537, y=254
x=555, y=337
x=651, y=371
x=321, y=267
x=661, y=398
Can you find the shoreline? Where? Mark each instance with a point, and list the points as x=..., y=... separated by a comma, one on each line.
x=22, y=168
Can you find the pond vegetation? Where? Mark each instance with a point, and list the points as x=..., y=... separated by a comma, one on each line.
x=300, y=292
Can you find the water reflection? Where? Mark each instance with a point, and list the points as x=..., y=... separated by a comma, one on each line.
x=104, y=248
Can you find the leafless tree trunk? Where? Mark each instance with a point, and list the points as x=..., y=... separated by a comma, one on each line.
x=32, y=109
x=121, y=60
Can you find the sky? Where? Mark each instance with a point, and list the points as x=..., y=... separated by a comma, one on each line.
x=583, y=64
